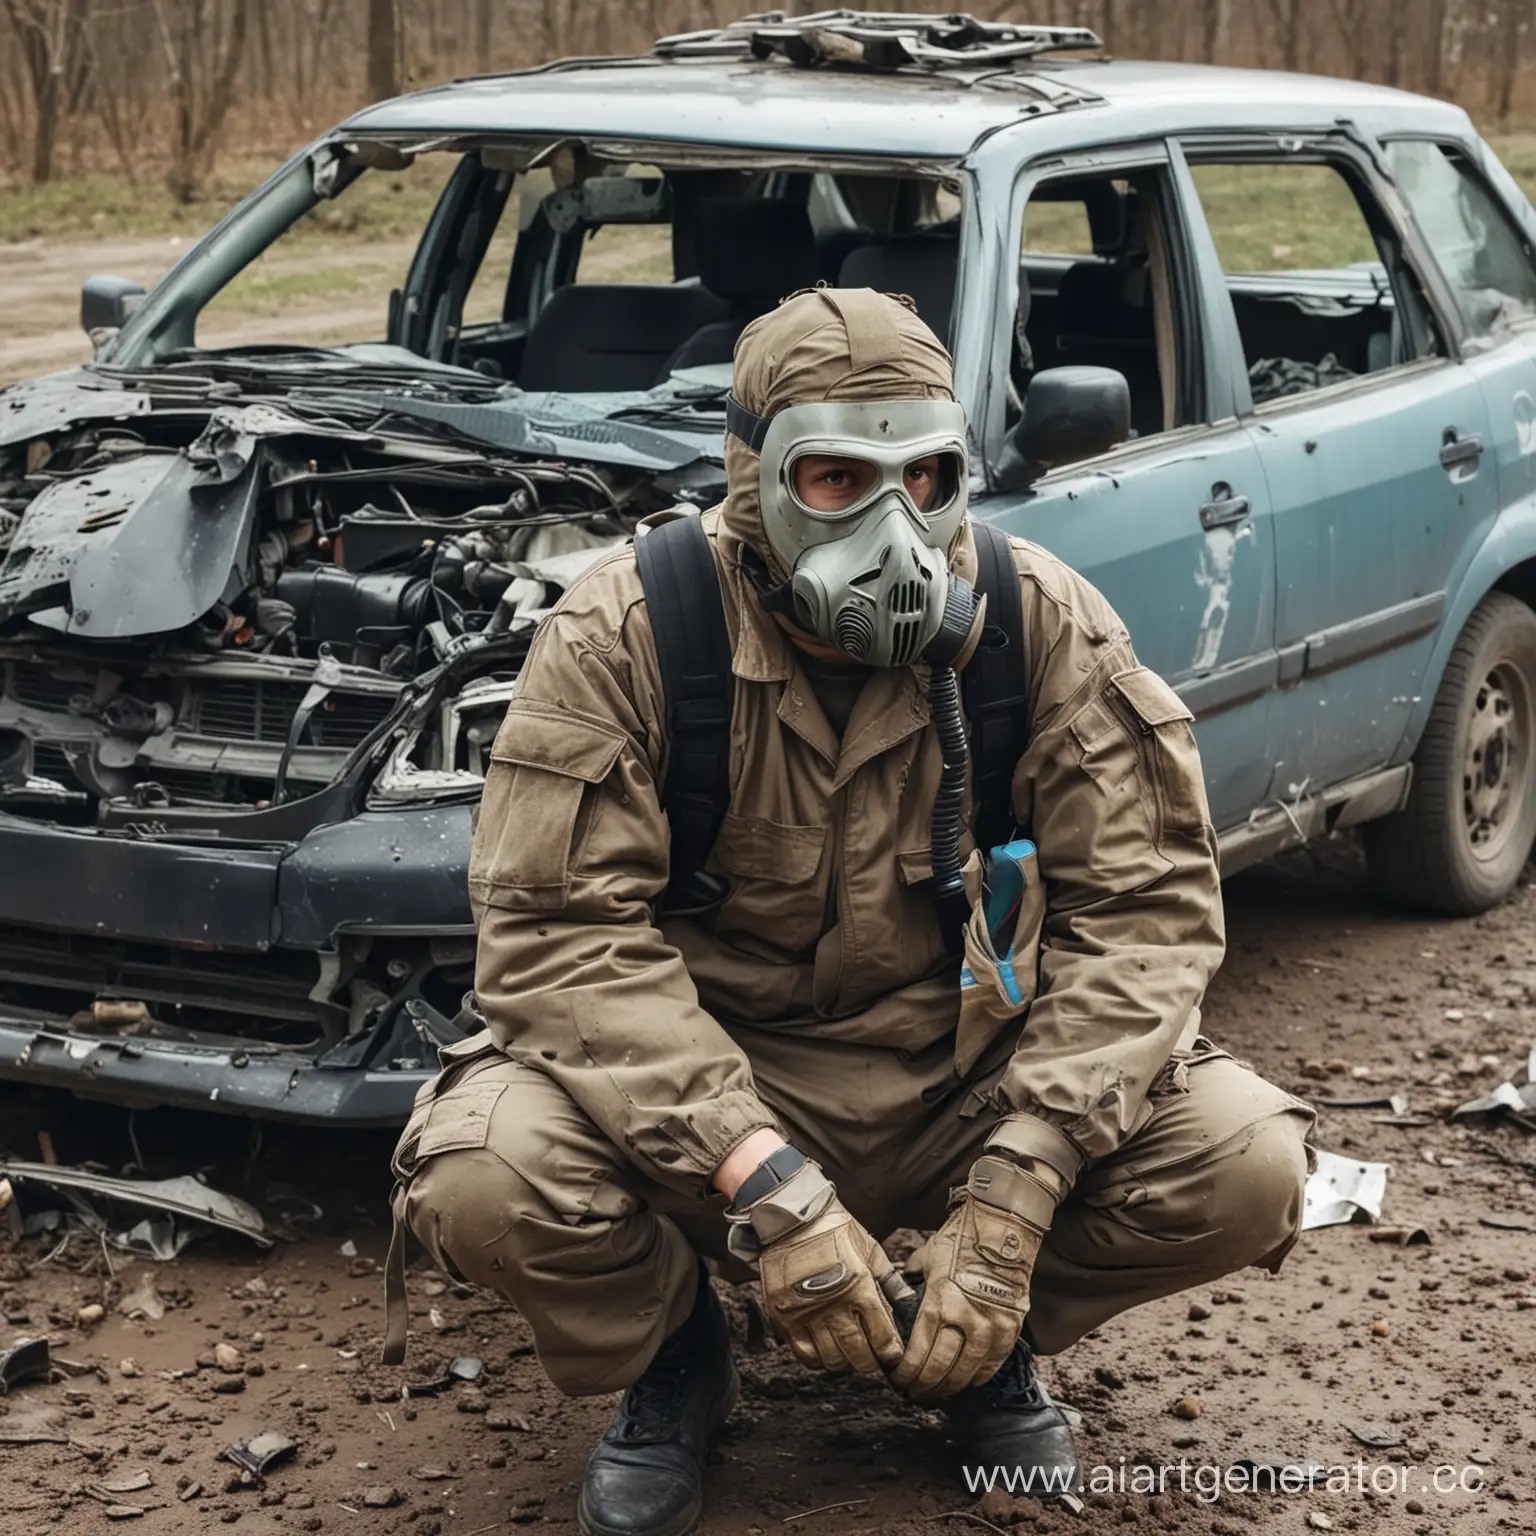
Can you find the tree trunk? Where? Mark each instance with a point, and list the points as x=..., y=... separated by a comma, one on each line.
x=1435, y=33
x=1217, y=25
x=383, y=49
x=1513, y=25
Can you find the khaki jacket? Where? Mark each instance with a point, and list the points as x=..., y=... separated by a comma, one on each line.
x=830, y=929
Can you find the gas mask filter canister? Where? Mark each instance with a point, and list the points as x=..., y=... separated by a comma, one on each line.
x=873, y=577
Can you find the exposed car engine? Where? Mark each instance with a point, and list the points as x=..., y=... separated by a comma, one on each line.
x=216, y=614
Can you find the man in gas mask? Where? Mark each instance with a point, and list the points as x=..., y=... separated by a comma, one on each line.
x=786, y=1077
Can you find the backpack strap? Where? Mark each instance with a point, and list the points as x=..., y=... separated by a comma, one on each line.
x=693, y=650
x=995, y=688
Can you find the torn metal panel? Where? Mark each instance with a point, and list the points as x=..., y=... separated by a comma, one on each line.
x=24, y=1362
x=183, y=1196
x=1343, y=1189
x=1514, y=1100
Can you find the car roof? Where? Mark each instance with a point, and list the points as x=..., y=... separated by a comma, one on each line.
x=941, y=115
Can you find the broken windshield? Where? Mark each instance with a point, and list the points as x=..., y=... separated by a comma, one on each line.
x=544, y=273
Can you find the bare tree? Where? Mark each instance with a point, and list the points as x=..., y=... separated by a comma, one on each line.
x=1285, y=16
x=204, y=42
x=51, y=35
x=1216, y=27
x=385, y=49
x=1512, y=25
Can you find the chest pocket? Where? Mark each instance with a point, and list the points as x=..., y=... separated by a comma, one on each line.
x=773, y=868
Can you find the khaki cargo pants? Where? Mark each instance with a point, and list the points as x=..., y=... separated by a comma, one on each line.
x=511, y=1187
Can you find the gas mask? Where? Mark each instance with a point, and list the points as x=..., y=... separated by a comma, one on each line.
x=871, y=578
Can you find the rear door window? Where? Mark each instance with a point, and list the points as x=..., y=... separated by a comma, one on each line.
x=1484, y=257
x=1319, y=299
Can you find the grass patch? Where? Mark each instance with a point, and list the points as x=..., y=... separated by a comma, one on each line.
x=380, y=205
x=261, y=291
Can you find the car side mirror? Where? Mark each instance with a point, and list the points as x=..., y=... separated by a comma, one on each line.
x=106, y=302
x=1069, y=414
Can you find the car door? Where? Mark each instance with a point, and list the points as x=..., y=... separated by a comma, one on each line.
x=1370, y=430
x=1487, y=266
x=1173, y=526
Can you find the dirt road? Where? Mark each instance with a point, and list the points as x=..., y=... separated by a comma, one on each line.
x=1428, y=1350
x=41, y=279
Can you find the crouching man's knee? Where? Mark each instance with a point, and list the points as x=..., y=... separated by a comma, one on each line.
x=507, y=1185
x=1264, y=1186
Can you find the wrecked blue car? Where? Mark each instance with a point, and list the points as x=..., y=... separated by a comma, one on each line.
x=262, y=606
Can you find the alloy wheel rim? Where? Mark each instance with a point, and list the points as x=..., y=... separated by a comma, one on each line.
x=1496, y=763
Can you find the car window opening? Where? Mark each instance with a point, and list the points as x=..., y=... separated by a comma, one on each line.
x=1320, y=292
x=1096, y=287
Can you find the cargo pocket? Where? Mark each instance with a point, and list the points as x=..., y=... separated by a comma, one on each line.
x=1002, y=953
x=531, y=816
x=772, y=867
x=448, y=1113
x=436, y=1122
x=1163, y=717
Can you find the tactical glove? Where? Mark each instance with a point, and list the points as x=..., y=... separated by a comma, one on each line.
x=822, y=1276
x=976, y=1294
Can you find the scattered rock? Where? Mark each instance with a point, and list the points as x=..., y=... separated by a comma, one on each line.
x=129, y=1368
x=229, y=1384
x=1319, y=1521
x=1187, y=1408
x=1198, y=1312
x=506, y=1421
x=381, y=1496
x=1380, y=1329
x=227, y=1358
x=89, y=1316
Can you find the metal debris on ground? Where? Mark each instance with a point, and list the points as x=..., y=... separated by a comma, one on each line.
x=1513, y=1101
x=182, y=1199
x=260, y=1453
x=1403, y=1237
x=25, y=1362
x=1343, y=1189
x=1396, y=1102
x=466, y=1368
x=143, y=1300
x=1508, y=1221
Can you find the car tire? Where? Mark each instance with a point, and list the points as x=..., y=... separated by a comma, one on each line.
x=1462, y=840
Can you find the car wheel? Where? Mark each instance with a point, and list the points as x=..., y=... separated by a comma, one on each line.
x=1470, y=821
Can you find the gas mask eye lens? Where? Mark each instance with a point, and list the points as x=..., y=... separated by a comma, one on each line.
x=831, y=484
x=936, y=483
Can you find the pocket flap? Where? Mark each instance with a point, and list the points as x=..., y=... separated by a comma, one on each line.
x=755, y=849
x=567, y=744
x=460, y=1119
x=1153, y=700
x=915, y=865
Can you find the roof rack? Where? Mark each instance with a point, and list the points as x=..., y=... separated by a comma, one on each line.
x=882, y=40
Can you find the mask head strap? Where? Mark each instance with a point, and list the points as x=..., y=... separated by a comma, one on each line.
x=742, y=423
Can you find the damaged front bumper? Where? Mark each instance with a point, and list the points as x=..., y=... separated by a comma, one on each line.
x=311, y=982
x=240, y=1081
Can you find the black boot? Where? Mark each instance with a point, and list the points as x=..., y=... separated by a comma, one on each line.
x=1011, y=1422
x=645, y=1477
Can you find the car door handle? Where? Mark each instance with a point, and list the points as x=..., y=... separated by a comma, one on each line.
x=1456, y=451
x=1223, y=509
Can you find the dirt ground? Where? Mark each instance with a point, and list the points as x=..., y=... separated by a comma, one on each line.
x=40, y=281
x=1429, y=1347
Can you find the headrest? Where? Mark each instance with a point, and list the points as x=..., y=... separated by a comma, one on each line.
x=921, y=266
x=1107, y=299
x=754, y=250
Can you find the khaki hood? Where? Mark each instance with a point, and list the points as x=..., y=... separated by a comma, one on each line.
x=824, y=344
